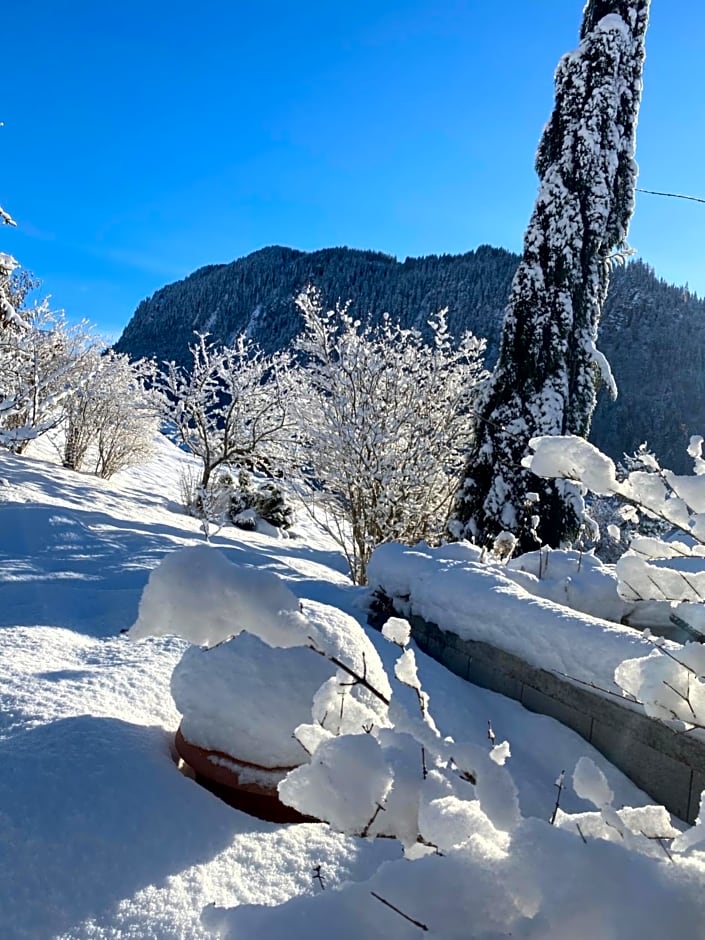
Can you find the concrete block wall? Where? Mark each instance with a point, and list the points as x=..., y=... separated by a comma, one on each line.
x=670, y=767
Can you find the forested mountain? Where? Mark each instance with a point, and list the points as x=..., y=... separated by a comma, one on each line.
x=652, y=333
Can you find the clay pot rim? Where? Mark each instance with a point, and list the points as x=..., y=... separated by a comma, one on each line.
x=183, y=744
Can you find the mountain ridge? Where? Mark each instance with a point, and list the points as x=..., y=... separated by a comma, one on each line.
x=650, y=329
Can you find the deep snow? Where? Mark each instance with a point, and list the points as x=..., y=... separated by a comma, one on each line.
x=100, y=835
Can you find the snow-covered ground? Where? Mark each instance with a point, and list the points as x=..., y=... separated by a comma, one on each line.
x=101, y=836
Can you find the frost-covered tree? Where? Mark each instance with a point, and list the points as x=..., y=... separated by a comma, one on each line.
x=39, y=352
x=382, y=426
x=42, y=359
x=109, y=417
x=53, y=373
x=230, y=407
x=8, y=312
x=549, y=366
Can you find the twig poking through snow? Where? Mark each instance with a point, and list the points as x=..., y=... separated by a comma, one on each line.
x=560, y=783
x=378, y=810
x=342, y=703
x=661, y=840
x=416, y=923
x=359, y=680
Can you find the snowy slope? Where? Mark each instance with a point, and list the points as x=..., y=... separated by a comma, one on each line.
x=100, y=835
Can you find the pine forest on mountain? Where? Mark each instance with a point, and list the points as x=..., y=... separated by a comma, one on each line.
x=649, y=328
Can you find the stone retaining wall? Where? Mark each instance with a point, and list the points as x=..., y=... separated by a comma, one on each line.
x=670, y=767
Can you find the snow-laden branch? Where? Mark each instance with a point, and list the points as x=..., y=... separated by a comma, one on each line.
x=652, y=568
x=670, y=684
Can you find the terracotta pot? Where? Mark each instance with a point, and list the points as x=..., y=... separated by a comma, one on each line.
x=248, y=787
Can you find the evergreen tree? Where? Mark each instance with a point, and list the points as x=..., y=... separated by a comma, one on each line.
x=548, y=368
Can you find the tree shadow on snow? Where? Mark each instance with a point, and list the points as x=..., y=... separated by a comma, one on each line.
x=93, y=810
x=77, y=568
x=85, y=570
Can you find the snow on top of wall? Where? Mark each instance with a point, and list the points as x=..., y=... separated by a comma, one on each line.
x=499, y=606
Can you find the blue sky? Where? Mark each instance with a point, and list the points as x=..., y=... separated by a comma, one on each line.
x=143, y=140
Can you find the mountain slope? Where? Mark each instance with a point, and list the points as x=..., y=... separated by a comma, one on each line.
x=652, y=333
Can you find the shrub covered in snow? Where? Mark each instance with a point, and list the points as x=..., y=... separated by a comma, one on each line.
x=43, y=359
x=383, y=421
x=246, y=500
x=653, y=568
x=616, y=521
x=109, y=420
x=229, y=407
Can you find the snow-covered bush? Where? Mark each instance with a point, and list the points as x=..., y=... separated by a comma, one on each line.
x=246, y=500
x=668, y=682
x=230, y=407
x=382, y=423
x=619, y=522
x=53, y=373
x=240, y=500
x=653, y=568
x=110, y=416
x=42, y=359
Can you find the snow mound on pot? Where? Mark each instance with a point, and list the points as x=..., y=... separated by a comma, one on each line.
x=246, y=698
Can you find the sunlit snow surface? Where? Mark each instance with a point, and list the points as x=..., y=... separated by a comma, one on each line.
x=100, y=836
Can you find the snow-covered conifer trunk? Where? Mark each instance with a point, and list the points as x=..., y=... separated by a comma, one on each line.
x=548, y=368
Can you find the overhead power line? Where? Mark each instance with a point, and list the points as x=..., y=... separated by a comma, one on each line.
x=654, y=192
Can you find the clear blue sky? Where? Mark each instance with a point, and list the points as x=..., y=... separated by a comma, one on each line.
x=143, y=140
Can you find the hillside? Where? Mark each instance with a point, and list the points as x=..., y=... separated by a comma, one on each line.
x=104, y=838
x=653, y=333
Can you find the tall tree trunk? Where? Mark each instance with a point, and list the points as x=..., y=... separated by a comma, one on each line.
x=549, y=367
